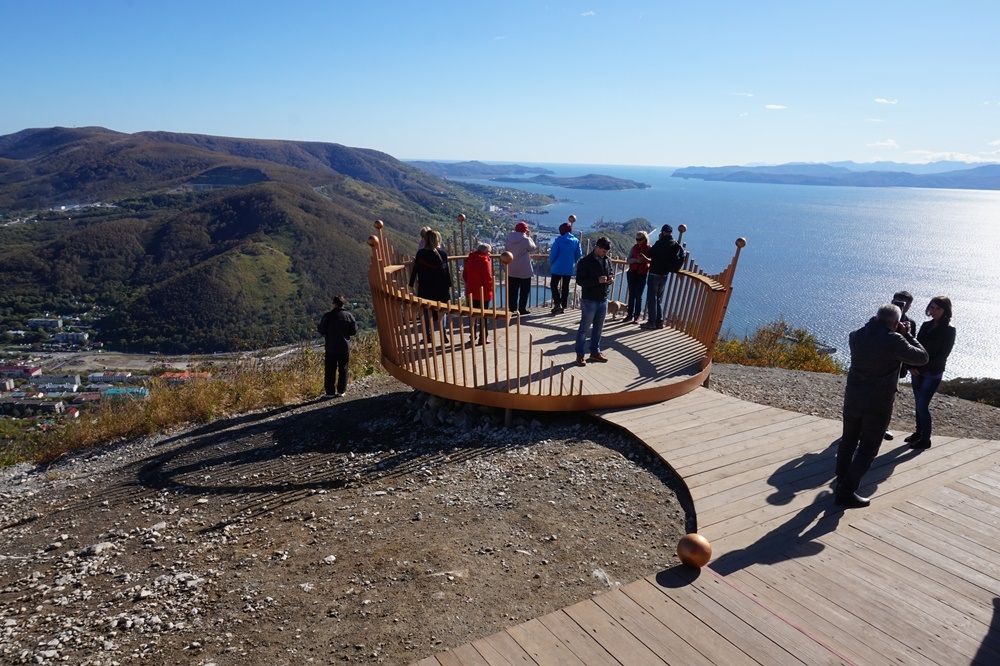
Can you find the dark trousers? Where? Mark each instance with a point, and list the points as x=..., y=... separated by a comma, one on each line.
x=335, y=372
x=518, y=291
x=858, y=447
x=479, y=324
x=924, y=387
x=560, y=291
x=636, y=285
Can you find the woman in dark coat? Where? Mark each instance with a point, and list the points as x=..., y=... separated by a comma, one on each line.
x=938, y=337
x=432, y=274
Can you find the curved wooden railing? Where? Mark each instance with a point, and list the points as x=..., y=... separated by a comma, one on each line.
x=423, y=341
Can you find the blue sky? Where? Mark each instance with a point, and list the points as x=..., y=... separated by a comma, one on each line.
x=646, y=82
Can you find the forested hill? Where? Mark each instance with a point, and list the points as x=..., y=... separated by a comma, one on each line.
x=201, y=243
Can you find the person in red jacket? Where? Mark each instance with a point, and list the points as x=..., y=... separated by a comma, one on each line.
x=478, y=276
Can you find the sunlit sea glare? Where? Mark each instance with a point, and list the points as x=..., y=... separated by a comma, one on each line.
x=823, y=258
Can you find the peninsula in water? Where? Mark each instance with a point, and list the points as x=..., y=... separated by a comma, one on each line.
x=592, y=181
x=954, y=175
x=474, y=169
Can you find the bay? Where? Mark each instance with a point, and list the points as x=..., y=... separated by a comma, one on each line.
x=821, y=258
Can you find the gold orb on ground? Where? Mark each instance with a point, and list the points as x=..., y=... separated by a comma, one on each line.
x=682, y=228
x=571, y=219
x=694, y=550
x=461, y=217
x=379, y=224
x=506, y=258
x=373, y=241
x=741, y=242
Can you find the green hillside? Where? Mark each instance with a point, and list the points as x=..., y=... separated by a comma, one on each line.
x=249, y=257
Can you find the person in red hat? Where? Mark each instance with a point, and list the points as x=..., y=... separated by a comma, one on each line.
x=519, y=272
x=478, y=276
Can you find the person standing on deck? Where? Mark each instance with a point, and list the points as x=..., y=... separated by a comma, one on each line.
x=666, y=256
x=337, y=327
x=594, y=274
x=563, y=256
x=877, y=351
x=938, y=337
x=519, y=272
x=638, y=267
x=903, y=300
x=478, y=276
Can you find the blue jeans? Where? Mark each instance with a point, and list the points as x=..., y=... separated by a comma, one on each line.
x=591, y=312
x=924, y=388
x=654, y=297
x=636, y=285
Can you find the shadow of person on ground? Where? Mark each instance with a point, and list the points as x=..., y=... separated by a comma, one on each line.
x=988, y=653
x=797, y=536
x=794, y=538
x=816, y=469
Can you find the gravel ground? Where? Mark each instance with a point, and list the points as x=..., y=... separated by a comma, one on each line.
x=381, y=528
x=333, y=531
x=823, y=395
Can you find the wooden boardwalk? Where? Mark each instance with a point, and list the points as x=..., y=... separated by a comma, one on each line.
x=913, y=579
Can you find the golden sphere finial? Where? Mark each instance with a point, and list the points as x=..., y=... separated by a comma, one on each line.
x=461, y=217
x=741, y=242
x=379, y=224
x=373, y=241
x=682, y=228
x=694, y=550
x=571, y=219
x=506, y=258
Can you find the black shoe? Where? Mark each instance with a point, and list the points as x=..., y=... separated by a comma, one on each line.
x=915, y=437
x=581, y=361
x=921, y=444
x=853, y=501
x=888, y=436
x=524, y=312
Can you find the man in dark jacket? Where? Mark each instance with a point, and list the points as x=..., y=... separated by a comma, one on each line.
x=903, y=300
x=666, y=257
x=594, y=275
x=337, y=326
x=877, y=350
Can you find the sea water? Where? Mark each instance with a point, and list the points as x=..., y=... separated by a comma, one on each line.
x=822, y=258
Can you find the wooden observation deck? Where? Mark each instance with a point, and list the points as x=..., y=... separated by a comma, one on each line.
x=528, y=362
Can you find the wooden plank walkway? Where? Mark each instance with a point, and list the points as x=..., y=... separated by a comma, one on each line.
x=913, y=579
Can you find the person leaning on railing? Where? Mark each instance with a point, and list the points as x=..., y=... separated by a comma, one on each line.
x=432, y=275
x=666, y=257
x=519, y=272
x=563, y=255
x=478, y=277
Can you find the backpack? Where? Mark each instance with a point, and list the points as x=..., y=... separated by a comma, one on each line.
x=675, y=256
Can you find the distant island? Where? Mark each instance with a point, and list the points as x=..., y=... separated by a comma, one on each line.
x=953, y=175
x=592, y=181
x=474, y=169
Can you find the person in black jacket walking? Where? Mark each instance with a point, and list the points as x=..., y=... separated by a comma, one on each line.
x=594, y=274
x=337, y=326
x=938, y=338
x=877, y=350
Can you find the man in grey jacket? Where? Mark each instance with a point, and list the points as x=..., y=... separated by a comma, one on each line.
x=877, y=350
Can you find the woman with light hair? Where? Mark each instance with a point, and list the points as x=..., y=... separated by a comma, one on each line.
x=432, y=275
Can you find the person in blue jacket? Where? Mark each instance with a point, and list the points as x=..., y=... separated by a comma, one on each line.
x=563, y=255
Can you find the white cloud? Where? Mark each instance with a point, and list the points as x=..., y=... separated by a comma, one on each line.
x=589, y=12
x=874, y=120
x=775, y=107
x=995, y=143
x=884, y=143
x=744, y=114
x=886, y=100
x=742, y=94
x=937, y=156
